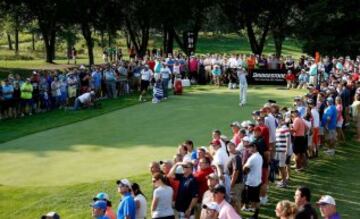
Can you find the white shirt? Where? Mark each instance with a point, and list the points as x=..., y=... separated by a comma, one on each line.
x=146, y=74
x=141, y=212
x=271, y=124
x=241, y=73
x=254, y=163
x=316, y=118
x=165, y=72
x=86, y=97
x=220, y=156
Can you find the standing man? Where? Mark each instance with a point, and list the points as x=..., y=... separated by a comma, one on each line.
x=241, y=73
x=146, y=75
x=127, y=206
x=253, y=169
x=226, y=210
x=188, y=193
x=302, y=200
x=233, y=168
x=165, y=74
x=299, y=145
x=329, y=123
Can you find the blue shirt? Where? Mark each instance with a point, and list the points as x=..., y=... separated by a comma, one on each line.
x=96, y=79
x=7, y=91
x=126, y=207
x=103, y=217
x=330, y=112
x=335, y=216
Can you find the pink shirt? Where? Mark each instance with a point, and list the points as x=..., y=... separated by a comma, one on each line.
x=227, y=211
x=339, y=109
x=193, y=64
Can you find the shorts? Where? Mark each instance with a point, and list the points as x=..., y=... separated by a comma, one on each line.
x=8, y=104
x=236, y=192
x=144, y=85
x=281, y=157
x=330, y=134
x=300, y=145
x=251, y=194
x=71, y=92
x=265, y=175
x=315, y=136
x=339, y=124
x=321, y=131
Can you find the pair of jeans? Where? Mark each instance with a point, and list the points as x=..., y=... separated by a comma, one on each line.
x=165, y=84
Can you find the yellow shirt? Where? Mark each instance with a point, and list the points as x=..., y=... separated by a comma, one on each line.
x=26, y=91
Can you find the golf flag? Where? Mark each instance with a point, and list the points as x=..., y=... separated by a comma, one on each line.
x=317, y=57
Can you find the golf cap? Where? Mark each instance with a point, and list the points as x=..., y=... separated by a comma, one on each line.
x=220, y=188
x=101, y=196
x=101, y=204
x=330, y=100
x=326, y=199
x=235, y=124
x=256, y=113
x=213, y=176
x=212, y=206
x=216, y=142
x=52, y=215
x=297, y=98
x=124, y=182
x=244, y=124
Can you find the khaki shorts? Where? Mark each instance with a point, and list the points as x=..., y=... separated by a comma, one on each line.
x=281, y=157
x=330, y=135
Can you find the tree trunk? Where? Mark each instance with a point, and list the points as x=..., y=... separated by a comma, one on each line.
x=278, y=41
x=9, y=41
x=86, y=31
x=169, y=42
x=33, y=40
x=102, y=40
x=16, y=41
x=49, y=41
x=109, y=39
x=257, y=47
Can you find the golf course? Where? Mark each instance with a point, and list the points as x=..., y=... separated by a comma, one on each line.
x=62, y=166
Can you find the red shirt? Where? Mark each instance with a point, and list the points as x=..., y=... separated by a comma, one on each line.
x=236, y=138
x=151, y=64
x=200, y=177
x=289, y=77
x=265, y=134
x=174, y=184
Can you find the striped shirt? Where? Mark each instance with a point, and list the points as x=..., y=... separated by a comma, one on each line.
x=282, y=137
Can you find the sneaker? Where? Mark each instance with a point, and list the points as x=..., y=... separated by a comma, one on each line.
x=281, y=185
x=246, y=209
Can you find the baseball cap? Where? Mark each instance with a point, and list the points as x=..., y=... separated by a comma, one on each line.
x=219, y=188
x=212, y=176
x=246, y=138
x=297, y=98
x=101, y=196
x=212, y=206
x=99, y=204
x=124, y=182
x=255, y=113
x=236, y=123
x=52, y=215
x=326, y=199
x=216, y=142
x=330, y=100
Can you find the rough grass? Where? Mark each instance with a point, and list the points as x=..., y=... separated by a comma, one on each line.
x=61, y=169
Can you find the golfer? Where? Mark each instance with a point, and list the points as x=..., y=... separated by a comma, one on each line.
x=241, y=73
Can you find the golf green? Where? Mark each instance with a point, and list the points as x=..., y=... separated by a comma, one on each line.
x=123, y=142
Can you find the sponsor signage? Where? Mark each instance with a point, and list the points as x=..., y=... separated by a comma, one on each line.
x=267, y=76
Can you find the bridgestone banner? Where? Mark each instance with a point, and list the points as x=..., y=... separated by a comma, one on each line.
x=267, y=76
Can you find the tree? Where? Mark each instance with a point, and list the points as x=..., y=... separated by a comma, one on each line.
x=254, y=16
x=330, y=27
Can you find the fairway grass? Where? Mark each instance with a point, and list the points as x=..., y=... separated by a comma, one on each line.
x=62, y=168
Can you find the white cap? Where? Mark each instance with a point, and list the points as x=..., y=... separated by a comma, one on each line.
x=246, y=138
x=212, y=206
x=245, y=124
x=124, y=182
x=236, y=123
x=326, y=199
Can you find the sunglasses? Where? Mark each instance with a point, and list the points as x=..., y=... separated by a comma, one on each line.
x=186, y=166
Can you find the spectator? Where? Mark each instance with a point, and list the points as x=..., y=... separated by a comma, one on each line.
x=339, y=119
x=211, y=210
x=110, y=82
x=299, y=147
x=233, y=168
x=127, y=206
x=216, y=73
x=26, y=97
x=302, y=79
x=162, y=198
x=55, y=92
x=146, y=75
x=154, y=168
x=212, y=181
x=315, y=128
x=220, y=156
x=235, y=126
x=282, y=149
x=158, y=92
x=201, y=176
x=187, y=196
x=253, y=169
x=329, y=123
x=165, y=77
x=290, y=80
x=226, y=210
x=327, y=207
x=84, y=100
x=285, y=209
x=99, y=209
x=8, y=109
x=105, y=197
x=140, y=201
x=302, y=200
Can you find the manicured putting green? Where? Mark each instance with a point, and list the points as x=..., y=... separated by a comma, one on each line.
x=122, y=143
